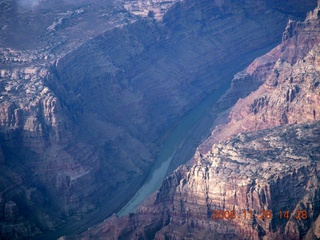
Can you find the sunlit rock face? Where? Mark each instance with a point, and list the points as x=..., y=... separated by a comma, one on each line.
x=251, y=172
x=289, y=91
x=275, y=170
x=82, y=120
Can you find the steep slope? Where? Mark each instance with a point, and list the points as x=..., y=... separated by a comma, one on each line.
x=79, y=131
x=143, y=77
x=271, y=170
x=282, y=73
x=255, y=173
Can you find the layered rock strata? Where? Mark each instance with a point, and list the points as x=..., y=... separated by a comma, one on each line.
x=80, y=130
x=275, y=169
x=289, y=91
x=131, y=74
x=261, y=172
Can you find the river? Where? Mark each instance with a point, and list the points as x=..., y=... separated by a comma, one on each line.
x=172, y=144
x=186, y=131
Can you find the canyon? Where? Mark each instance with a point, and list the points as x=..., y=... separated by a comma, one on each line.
x=88, y=100
x=266, y=170
x=263, y=159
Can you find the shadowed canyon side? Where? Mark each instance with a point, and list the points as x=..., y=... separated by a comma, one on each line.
x=265, y=159
x=82, y=120
x=142, y=77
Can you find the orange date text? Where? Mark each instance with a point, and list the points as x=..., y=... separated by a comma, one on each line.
x=262, y=214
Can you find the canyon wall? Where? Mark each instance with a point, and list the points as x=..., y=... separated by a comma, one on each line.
x=258, y=174
x=80, y=130
x=255, y=174
x=282, y=73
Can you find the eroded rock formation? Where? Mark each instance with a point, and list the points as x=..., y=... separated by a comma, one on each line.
x=289, y=92
x=259, y=172
x=276, y=170
x=82, y=119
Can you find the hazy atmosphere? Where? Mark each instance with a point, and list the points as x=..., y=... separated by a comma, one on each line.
x=151, y=119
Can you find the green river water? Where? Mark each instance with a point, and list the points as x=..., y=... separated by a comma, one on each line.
x=170, y=146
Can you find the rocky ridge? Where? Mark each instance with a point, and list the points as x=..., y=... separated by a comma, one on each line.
x=44, y=162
